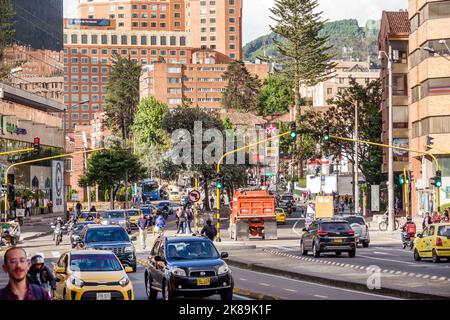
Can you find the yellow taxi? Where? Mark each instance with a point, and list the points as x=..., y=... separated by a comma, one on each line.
x=433, y=242
x=134, y=215
x=174, y=196
x=92, y=275
x=83, y=217
x=281, y=216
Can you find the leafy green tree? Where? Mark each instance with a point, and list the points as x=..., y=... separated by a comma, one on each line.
x=122, y=96
x=7, y=32
x=148, y=121
x=242, y=91
x=109, y=168
x=304, y=51
x=340, y=118
x=276, y=95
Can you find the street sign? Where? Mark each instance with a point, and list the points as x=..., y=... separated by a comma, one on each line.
x=194, y=196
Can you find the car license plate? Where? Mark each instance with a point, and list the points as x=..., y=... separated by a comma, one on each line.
x=203, y=281
x=103, y=296
x=338, y=240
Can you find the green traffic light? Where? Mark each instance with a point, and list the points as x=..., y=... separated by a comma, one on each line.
x=326, y=138
x=219, y=184
x=438, y=183
x=401, y=180
x=293, y=135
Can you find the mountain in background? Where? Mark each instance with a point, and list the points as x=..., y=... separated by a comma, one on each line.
x=348, y=40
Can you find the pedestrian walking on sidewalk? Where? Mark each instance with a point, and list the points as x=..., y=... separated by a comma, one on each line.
x=16, y=265
x=181, y=214
x=28, y=208
x=143, y=224
x=190, y=218
x=211, y=201
x=209, y=230
x=78, y=207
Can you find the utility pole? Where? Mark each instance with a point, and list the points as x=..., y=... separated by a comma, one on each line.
x=85, y=146
x=356, y=199
x=391, y=212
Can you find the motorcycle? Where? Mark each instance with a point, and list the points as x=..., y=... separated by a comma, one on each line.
x=409, y=241
x=58, y=233
x=11, y=233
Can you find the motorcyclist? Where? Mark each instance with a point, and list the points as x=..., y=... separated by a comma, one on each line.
x=58, y=225
x=408, y=229
x=39, y=274
x=160, y=223
x=11, y=229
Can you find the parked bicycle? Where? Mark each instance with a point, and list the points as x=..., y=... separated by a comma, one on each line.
x=384, y=225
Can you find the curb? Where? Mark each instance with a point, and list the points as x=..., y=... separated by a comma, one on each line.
x=239, y=291
x=38, y=235
x=334, y=282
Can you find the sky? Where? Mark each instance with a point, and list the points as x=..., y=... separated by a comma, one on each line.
x=256, y=19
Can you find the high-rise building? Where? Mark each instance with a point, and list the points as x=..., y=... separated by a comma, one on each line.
x=429, y=113
x=216, y=24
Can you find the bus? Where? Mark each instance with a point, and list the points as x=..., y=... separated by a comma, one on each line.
x=150, y=190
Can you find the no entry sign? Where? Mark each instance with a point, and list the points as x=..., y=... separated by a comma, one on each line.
x=194, y=196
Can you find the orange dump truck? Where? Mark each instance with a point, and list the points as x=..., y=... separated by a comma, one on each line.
x=253, y=214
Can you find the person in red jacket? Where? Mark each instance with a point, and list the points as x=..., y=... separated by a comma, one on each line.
x=408, y=229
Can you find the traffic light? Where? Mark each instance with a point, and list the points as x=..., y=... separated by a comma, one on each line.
x=219, y=183
x=293, y=128
x=401, y=180
x=429, y=142
x=37, y=144
x=326, y=134
x=437, y=179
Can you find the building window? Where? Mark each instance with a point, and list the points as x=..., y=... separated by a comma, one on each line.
x=163, y=41
x=182, y=41
x=329, y=91
x=134, y=40
x=124, y=39
x=84, y=39
x=153, y=40
x=74, y=38
x=94, y=39
x=400, y=85
x=173, y=41
x=104, y=39
x=113, y=39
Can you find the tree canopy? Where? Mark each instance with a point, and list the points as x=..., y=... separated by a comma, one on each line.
x=148, y=121
x=276, y=95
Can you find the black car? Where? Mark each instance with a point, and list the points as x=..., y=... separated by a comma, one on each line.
x=328, y=235
x=187, y=266
x=112, y=238
x=76, y=232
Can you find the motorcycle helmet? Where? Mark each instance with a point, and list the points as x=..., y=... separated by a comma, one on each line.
x=37, y=259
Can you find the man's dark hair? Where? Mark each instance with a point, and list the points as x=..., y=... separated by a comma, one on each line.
x=5, y=257
x=208, y=222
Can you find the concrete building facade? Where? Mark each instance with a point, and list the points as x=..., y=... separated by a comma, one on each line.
x=429, y=114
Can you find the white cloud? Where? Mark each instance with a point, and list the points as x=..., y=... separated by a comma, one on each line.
x=257, y=15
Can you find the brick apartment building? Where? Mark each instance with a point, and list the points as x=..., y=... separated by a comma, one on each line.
x=200, y=83
x=429, y=85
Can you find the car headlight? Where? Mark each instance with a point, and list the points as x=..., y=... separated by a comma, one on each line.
x=124, y=281
x=178, y=272
x=223, y=269
x=129, y=249
x=104, y=222
x=76, y=282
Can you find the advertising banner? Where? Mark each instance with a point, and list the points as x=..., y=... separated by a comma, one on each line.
x=58, y=185
x=90, y=22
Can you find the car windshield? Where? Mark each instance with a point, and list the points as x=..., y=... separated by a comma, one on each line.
x=133, y=213
x=287, y=198
x=358, y=220
x=113, y=215
x=444, y=231
x=84, y=215
x=335, y=226
x=106, y=234
x=79, y=228
x=191, y=250
x=94, y=262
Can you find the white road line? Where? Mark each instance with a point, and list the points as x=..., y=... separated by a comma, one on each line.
x=382, y=253
x=242, y=297
x=290, y=290
x=397, y=261
x=265, y=284
x=242, y=279
x=322, y=285
x=319, y=296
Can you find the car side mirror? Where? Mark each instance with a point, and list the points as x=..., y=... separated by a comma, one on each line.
x=224, y=255
x=128, y=269
x=158, y=259
x=133, y=238
x=60, y=270
x=305, y=230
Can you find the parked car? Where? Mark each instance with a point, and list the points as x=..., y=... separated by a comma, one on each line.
x=433, y=242
x=360, y=227
x=74, y=235
x=328, y=235
x=187, y=266
x=112, y=238
x=92, y=275
x=116, y=217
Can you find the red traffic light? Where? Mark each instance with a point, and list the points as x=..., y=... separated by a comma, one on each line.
x=37, y=144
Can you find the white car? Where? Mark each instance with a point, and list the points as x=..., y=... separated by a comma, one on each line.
x=360, y=227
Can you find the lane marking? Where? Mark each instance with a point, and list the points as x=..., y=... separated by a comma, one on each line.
x=319, y=296
x=320, y=285
x=382, y=253
x=291, y=290
x=242, y=297
x=390, y=260
x=265, y=284
x=242, y=279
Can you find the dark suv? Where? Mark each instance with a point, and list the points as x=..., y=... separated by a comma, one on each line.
x=112, y=238
x=187, y=266
x=328, y=235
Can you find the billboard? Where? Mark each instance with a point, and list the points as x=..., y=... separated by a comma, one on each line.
x=403, y=143
x=89, y=22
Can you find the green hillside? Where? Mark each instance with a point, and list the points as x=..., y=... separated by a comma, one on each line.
x=348, y=39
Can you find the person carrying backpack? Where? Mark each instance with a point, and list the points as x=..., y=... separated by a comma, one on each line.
x=16, y=265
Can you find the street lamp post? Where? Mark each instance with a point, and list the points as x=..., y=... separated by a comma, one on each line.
x=356, y=200
x=391, y=213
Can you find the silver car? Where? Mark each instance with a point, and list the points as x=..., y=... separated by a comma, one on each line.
x=360, y=227
x=116, y=217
